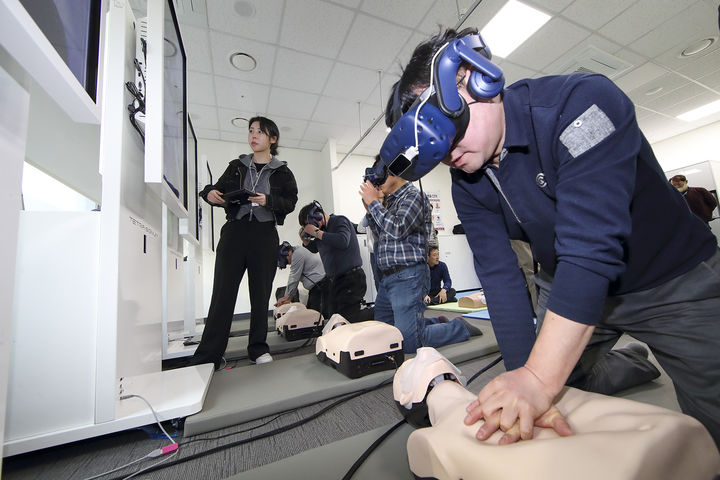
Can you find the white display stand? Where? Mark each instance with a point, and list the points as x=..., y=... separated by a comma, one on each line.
x=87, y=306
x=13, y=132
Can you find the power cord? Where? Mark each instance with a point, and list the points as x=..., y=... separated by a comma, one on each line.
x=377, y=442
x=369, y=450
x=262, y=435
x=485, y=369
x=172, y=449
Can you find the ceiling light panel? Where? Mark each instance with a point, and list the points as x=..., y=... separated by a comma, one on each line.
x=700, y=112
x=511, y=26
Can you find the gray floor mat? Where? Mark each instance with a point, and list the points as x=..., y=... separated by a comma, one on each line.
x=247, y=393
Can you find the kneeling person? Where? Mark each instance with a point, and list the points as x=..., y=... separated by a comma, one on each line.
x=305, y=267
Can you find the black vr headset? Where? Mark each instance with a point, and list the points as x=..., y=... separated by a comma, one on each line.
x=437, y=120
x=283, y=252
x=376, y=175
x=314, y=217
x=315, y=214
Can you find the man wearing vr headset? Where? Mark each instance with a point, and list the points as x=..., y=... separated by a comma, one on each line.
x=333, y=236
x=307, y=267
x=561, y=162
x=402, y=227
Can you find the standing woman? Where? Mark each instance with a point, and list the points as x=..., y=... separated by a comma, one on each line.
x=248, y=241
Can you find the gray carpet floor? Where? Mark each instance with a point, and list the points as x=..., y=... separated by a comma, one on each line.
x=366, y=412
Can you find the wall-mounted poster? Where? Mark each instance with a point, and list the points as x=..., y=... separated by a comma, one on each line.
x=437, y=221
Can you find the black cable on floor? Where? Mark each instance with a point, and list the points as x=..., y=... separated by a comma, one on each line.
x=263, y=435
x=377, y=442
x=369, y=450
x=485, y=369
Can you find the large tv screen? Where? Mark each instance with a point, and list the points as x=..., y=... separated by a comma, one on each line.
x=175, y=108
x=73, y=28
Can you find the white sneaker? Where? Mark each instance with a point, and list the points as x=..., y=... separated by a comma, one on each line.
x=264, y=358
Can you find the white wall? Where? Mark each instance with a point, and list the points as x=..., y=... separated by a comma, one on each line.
x=689, y=148
x=312, y=174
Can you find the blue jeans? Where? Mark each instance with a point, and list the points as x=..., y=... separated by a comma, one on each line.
x=400, y=302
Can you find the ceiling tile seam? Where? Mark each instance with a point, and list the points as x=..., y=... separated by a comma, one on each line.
x=214, y=76
x=653, y=111
x=270, y=86
x=327, y=79
x=628, y=5
x=716, y=92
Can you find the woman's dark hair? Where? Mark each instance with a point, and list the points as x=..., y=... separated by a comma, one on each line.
x=417, y=73
x=269, y=128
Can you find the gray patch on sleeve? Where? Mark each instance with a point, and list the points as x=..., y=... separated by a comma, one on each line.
x=586, y=131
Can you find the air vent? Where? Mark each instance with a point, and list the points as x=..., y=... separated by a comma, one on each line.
x=594, y=60
x=141, y=27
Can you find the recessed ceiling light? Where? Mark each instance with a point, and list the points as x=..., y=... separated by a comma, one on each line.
x=285, y=129
x=697, y=47
x=244, y=9
x=511, y=26
x=243, y=61
x=654, y=91
x=700, y=112
x=239, y=122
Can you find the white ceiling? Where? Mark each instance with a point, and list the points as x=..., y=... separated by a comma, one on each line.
x=325, y=67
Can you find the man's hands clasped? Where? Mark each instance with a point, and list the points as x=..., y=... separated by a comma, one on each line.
x=514, y=403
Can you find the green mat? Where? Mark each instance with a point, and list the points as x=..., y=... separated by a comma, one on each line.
x=454, y=307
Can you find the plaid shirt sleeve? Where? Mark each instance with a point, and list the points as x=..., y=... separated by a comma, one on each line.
x=405, y=218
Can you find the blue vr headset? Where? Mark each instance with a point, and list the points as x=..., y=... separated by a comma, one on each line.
x=283, y=252
x=443, y=113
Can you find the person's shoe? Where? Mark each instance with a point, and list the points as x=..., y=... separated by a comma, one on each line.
x=442, y=319
x=472, y=329
x=264, y=358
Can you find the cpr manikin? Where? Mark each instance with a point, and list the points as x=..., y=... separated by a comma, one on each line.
x=614, y=438
x=358, y=349
x=476, y=300
x=294, y=321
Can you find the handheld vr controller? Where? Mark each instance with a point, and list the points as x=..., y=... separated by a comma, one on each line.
x=437, y=121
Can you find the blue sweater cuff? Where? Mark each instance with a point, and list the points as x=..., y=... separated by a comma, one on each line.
x=578, y=294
